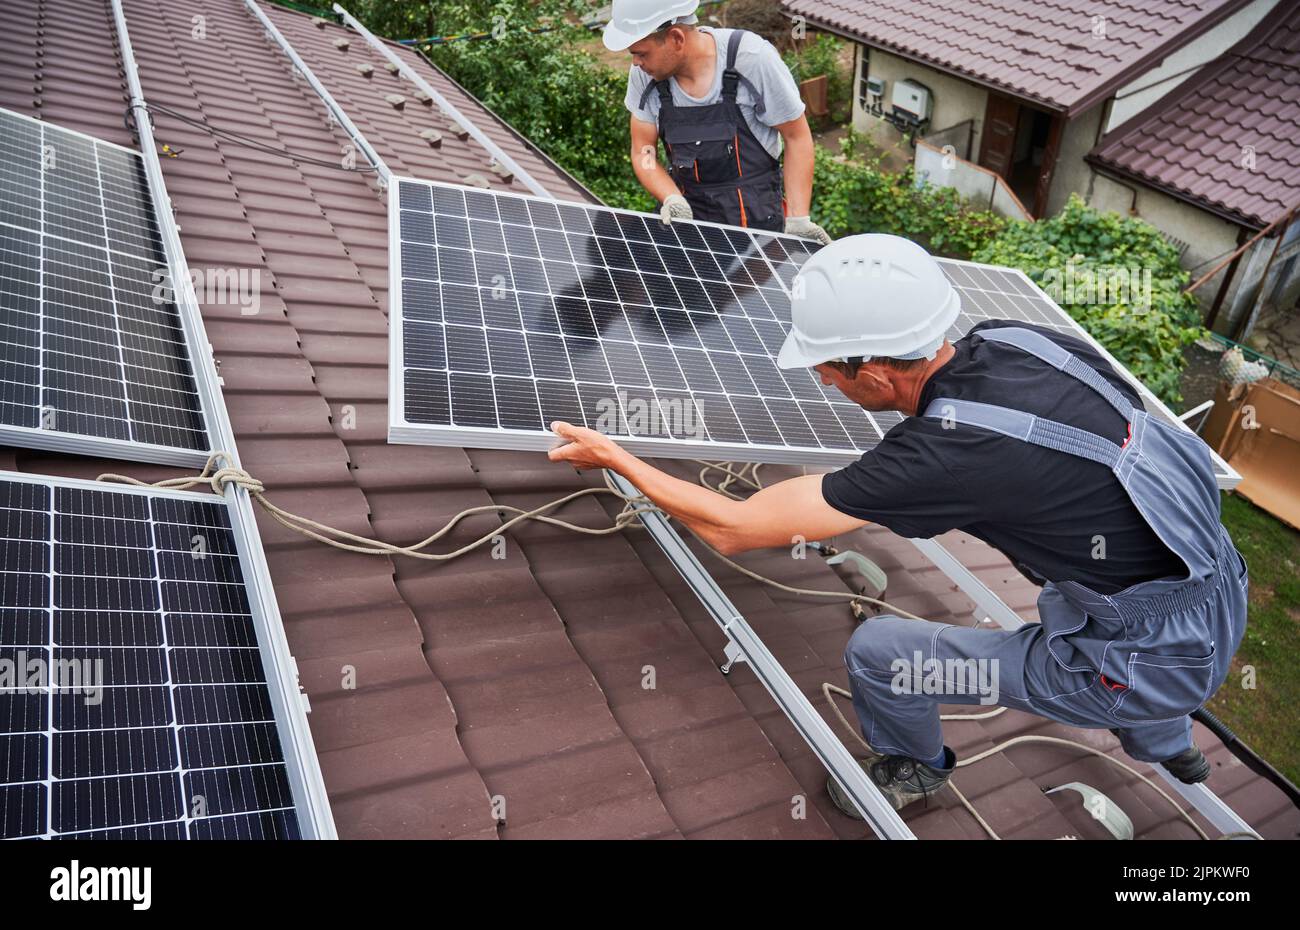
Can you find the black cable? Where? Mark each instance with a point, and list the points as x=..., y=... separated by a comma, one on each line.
x=1247, y=755
x=237, y=139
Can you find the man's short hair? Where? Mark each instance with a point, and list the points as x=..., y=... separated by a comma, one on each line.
x=849, y=369
x=660, y=34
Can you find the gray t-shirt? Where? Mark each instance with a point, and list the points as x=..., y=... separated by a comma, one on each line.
x=759, y=63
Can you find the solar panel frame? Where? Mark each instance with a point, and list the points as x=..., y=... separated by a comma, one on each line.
x=79, y=544
x=131, y=243
x=403, y=430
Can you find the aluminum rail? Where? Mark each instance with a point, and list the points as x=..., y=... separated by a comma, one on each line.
x=866, y=797
x=307, y=784
x=372, y=156
x=443, y=103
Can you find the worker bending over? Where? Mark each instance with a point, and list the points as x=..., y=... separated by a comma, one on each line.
x=1025, y=438
x=723, y=102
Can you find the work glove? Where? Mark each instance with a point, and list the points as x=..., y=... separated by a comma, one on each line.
x=675, y=207
x=805, y=227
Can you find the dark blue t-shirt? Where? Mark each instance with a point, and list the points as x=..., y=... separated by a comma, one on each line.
x=1045, y=510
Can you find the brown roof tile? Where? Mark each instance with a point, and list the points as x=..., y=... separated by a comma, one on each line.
x=1193, y=142
x=1045, y=52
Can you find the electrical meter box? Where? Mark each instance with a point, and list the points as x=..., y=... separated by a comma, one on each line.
x=876, y=87
x=912, y=100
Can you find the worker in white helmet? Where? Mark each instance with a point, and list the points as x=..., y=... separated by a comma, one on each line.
x=1030, y=440
x=725, y=106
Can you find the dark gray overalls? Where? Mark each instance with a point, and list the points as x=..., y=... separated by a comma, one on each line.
x=721, y=168
x=1138, y=661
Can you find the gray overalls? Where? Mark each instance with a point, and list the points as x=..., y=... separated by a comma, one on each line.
x=721, y=168
x=1138, y=661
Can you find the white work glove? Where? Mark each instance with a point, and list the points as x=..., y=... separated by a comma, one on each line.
x=675, y=207
x=805, y=227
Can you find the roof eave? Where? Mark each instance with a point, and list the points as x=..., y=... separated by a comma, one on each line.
x=1117, y=172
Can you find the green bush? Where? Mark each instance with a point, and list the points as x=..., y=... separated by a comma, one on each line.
x=852, y=196
x=818, y=55
x=1118, y=277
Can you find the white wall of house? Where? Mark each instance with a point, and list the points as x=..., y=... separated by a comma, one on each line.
x=954, y=100
x=1209, y=238
x=1174, y=70
x=1072, y=173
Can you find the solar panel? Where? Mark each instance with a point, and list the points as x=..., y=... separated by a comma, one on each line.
x=93, y=353
x=513, y=311
x=133, y=702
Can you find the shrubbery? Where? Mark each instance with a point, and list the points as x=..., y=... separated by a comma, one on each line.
x=1118, y=277
x=851, y=196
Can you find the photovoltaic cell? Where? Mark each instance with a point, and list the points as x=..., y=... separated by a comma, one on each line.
x=516, y=311
x=91, y=343
x=135, y=704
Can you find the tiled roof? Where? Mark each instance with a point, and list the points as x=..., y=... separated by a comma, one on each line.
x=521, y=677
x=1227, y=139
x=1062, y=55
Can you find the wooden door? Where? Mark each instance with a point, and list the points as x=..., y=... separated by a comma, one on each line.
x=1044, y=184
x=998, y=140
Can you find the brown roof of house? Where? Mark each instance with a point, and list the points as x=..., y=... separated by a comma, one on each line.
x=521, y=677
x=1063, y=56
x=1228, y=138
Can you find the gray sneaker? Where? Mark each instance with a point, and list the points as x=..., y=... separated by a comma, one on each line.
x=901, y=779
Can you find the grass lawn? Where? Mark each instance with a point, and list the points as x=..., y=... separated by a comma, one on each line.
x=1265, y=717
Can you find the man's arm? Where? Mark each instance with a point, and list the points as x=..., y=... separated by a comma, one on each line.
x=798, y=165
x=771, y=517
x=645, y=161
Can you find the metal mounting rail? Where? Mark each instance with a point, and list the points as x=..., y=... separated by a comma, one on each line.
x=287, y=701
x=745, y=644
x=444, y=104
x=989, y=606
x=335, y=109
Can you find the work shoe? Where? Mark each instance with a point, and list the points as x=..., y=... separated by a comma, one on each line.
x=1188, y=767
x=901, y=779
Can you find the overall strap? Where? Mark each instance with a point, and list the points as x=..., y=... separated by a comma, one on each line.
x=1026, y=427
x=1038, y=345
x=732, y=79
x=665, y=94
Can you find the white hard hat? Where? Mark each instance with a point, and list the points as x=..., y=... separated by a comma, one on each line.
x=871, y=296
x=632, y=20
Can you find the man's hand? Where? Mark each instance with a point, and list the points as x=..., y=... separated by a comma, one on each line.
x=805, y=227
x=584, y=448
x=675, y=207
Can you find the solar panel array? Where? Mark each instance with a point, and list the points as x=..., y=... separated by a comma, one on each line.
x=152, y=718
x=92, y=349
x=515, y=311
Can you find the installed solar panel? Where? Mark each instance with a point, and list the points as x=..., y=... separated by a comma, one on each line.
x=133, y=702
x=93, y=353
x=513, y=311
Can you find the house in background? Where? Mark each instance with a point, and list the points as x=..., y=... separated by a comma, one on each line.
x=1018, y=94
x=1217, y=161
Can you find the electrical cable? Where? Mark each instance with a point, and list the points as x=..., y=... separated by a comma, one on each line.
x=634, y=506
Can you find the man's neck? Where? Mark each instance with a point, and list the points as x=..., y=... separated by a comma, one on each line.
x=696, y=73
x=909, y=398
